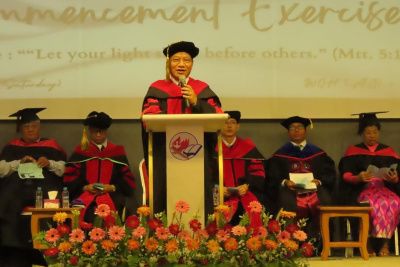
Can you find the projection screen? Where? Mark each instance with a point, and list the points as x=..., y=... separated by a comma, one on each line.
x=269, y=59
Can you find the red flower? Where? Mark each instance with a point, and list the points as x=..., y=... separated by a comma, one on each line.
x=174, y=229
x=212, y=228
x=132, y=221
x=291, y=228
x=109, y=221
x=51, y=252
x=63, y=229
x=74, y=260
x=85, y=225
x=308, y=249
x=154, y=223
x=195, y=225
x=273, y=226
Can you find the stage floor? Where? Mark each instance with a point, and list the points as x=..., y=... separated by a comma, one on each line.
x=393, y=261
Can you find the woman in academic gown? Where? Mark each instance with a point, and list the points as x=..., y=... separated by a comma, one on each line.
x=361, y=184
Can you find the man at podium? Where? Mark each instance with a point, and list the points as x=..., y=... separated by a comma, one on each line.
x=178, y=93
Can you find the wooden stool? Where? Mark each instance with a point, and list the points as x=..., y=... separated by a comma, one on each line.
x=42, y=213
x=327, y=212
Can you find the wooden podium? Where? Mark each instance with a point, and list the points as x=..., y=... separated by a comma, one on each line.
x=184, y=157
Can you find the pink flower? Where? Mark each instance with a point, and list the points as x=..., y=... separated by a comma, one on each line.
x=97, y=234
x=202, y=234
x=182, y=206
x=273, y=226
x=300, y=235
x=162, y=233
x=102, y=210
x=222, y=235
x=239, y=230
x=154, y=223
x=52, y=235
x=260, y=231
x=174, y=229
x=51, y=252
x=195, y=225
x=77, y=236
x=291, y=228
x=283, y=236
x=139, y=232
x=85, y=225
x=308, y=249
x=132, y=221
x=184, y=235
x=116, y=233
x=255, y=207
x=74, y=260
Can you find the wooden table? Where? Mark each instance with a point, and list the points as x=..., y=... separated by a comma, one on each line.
x=42, y=213
x=327, y=212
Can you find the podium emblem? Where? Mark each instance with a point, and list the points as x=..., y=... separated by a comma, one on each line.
x=184, y=146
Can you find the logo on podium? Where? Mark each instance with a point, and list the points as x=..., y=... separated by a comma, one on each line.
x=184, y=146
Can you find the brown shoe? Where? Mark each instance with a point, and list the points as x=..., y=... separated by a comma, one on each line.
x=384, y=252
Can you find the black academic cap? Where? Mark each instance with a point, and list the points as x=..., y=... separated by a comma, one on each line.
x=27, y=115
x=181, y=46
x=234, y=114
x=98, y=120
x=287, y=122
x=20, y=256
x=366, y=119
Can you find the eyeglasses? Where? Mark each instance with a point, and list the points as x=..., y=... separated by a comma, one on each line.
x=293, y=128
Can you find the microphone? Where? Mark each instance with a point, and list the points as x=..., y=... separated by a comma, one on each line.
x=182, y=83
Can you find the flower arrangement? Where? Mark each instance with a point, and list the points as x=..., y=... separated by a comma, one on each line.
x=145, y=241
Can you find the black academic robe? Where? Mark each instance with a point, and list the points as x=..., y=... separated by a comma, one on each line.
x=107, y=166
x=290, y=158
x=18, y=193
x=356, y=159
x=164, y=97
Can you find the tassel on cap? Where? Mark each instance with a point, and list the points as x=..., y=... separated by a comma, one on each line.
x=84, y=140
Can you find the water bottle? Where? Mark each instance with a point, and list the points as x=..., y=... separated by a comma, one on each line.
x=39, y=198
x=216, y=195
x=65, y=198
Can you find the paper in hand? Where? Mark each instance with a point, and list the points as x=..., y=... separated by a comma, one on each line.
x=30, y=170
x=303, y=180
x=381, y=173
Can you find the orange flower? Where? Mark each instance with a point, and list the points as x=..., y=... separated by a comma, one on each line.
x=192, y=244
x=108, y=245
x=253, y=243
x=287, y=214
x=213, y=246
x=102, y=210
x=230, y=244
x=144, y=211
x=270, y=244
x=182, y=206
x=60, y=217
x=151, y=244
x=88, y=247
x=65, y=246
x=171, y=246
x=132, y=244
x=255, y=207
x=224, y=209
x=291, y=245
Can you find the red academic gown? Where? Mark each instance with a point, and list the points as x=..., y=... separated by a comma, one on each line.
x=243, y=164
x=109, y=166
x=165, y=97
x=18, y=193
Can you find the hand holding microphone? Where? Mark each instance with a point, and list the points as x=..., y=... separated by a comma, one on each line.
x=188, y=94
